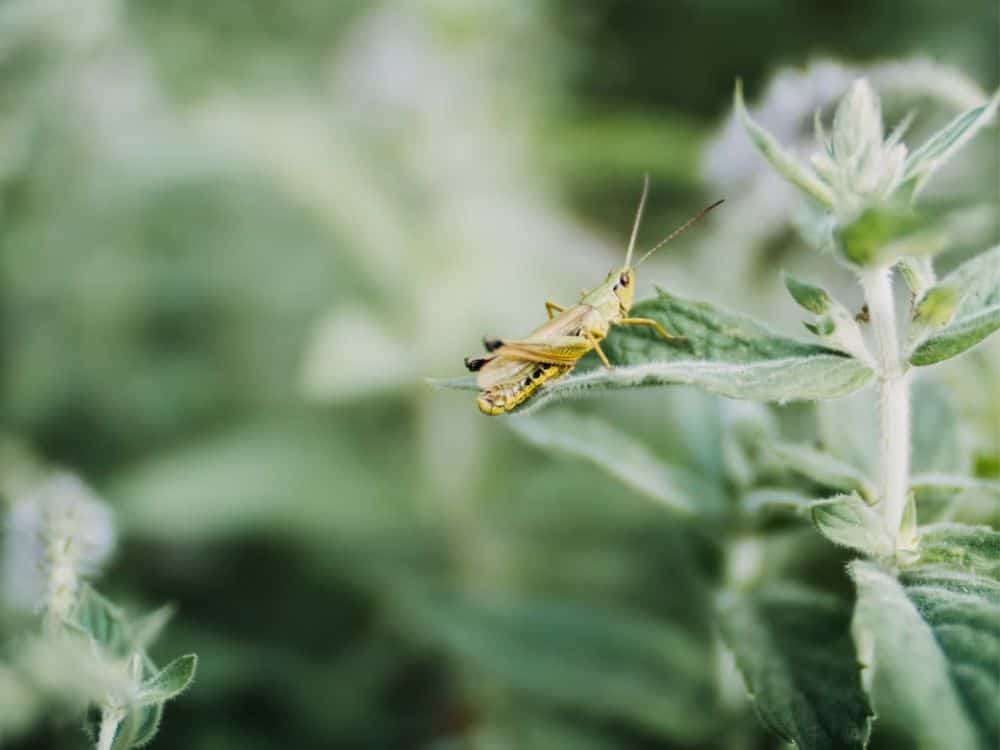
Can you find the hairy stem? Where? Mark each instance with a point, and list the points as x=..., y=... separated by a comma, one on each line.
x=63, y=581
x=894, y=399
x=109, y=726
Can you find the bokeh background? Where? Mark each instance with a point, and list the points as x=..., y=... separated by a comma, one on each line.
x=235, y=238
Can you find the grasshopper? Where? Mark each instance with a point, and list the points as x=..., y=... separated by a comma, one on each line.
x=515, y=370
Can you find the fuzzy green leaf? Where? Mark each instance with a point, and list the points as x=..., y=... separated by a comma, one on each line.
x=794, y=649
x=870, y=238
x=975, y=549
x=976, y=283
x=777, y=499
x=822, y=468
x=611, y=664
x=148, y=724
x=918, y=272
x=143, y=631
x=600, y=443
x=784, y=162
x=101, y=620
x=941, y=146
x=170, y=681
x=813, y=298
x=954, y=483
x=723, y=353
x=848, y=521
x=931, y=641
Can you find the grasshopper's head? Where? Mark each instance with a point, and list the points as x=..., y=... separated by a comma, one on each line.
x=622, y=283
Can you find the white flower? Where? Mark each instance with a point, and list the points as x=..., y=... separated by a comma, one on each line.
x=859, y=166
x=57, y=532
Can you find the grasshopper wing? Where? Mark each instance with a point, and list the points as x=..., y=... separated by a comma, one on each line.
x=556, y=342
x=503, y=369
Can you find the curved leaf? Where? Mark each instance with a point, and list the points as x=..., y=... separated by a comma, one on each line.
x=975, y=549
x=612, y=664
x=782, y=160
x=848, y=521
x=823, y=468
x=794, y=648
x=932, y=642
x=976, y=287
x=170, y=681
x=622, y=456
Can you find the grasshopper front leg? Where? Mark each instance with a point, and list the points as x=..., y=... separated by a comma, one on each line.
x=551, y=307
x=651, y=323
x=594, y=342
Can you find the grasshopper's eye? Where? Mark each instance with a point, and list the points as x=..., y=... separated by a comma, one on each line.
x=623, y=279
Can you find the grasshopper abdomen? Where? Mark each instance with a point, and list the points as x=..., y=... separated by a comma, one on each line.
x=508, y=396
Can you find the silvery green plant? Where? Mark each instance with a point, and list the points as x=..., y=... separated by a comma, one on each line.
x=82, y=656
x=878, y=467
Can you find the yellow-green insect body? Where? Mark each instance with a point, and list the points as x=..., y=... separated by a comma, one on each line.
x=504, y=397
x=515, y=370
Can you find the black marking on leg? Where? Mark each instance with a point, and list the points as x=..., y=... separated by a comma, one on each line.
x=491, y=345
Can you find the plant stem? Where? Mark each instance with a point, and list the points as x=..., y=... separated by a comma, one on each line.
x=894, y=399
x=109, y=725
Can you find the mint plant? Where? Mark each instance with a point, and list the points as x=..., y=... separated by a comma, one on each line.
x=877, y=470
x=83, y=657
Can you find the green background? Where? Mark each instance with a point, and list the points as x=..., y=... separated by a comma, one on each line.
x=236, y=236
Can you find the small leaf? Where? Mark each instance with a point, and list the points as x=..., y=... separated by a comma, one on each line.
x=794, y=649
x=770, y=499
x=145, y=630
x=906, y=545
x=148, y=724
x=957, y=337
x=954, y=482
x=822, y=327
x=977, y=314
x=785, y=163
x=622, y=456
x=866, y=240
x=936, y=307
x=848, y=521
x=918, y=272
x=812, y=298
x=125, y=734
x=941, y=146
x=170, y=681
x=821, y=467
x=101, y=620
x=932, y=649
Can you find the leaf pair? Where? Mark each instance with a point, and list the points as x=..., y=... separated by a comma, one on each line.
x=140, y=706
x=930, y=639
x=928, y=642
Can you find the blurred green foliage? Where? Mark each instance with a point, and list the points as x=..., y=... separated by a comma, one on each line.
x=188, y=190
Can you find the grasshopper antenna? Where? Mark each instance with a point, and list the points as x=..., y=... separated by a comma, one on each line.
x=677, y=232
x=638, y=219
